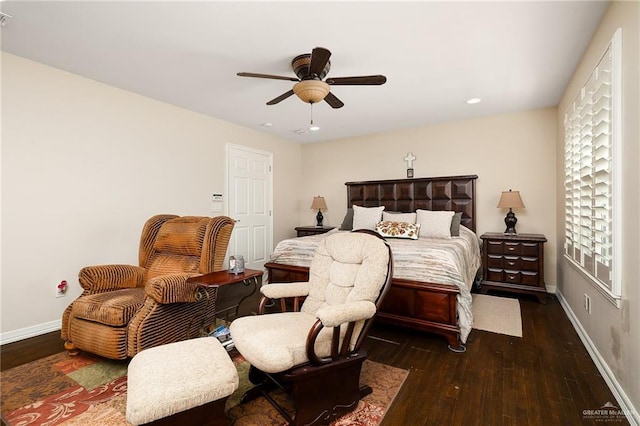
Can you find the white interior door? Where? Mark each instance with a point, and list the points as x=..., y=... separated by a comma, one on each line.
x=249, y=182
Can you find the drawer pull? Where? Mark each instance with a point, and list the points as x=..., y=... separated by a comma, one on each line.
x=511, y=263
x=511, y=248
x=511, y=277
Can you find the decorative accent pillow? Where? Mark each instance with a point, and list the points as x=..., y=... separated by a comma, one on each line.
x=434, y=224
x=455, y=224
x=347, y=222
x=398, y=217
x=389, y=229
x=366, y=217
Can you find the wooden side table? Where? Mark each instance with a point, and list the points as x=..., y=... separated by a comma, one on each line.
x=303, y=231
x=233, y=290
x=514, y=263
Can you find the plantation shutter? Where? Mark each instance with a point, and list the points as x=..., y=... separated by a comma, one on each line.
x=588, y=162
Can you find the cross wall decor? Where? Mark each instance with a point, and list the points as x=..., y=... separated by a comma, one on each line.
x=409, y=159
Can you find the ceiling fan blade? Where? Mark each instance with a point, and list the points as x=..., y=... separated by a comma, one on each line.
x=280, y=98
x=319, y=58
x=332, y=100
x=274, y=77
x=365, y=80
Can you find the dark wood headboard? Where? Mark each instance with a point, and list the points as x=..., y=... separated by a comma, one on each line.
x=453, y=193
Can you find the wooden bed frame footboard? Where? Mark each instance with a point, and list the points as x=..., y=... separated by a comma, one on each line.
x=413, y=304
x=423, y=306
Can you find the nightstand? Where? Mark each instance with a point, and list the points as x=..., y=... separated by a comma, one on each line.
x=514, y=263
x=303, y=231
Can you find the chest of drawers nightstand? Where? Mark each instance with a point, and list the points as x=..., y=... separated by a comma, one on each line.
x=514, y=263
x=303, y=231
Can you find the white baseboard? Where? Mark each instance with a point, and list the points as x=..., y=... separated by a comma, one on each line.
x=25, y=333
x=626, y=406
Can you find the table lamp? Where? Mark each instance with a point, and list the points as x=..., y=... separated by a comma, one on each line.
x=319, y=204
x=510, y=200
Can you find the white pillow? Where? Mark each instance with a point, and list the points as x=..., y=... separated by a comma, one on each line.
x=366, y=217
x=434, y=224
x=399, y=217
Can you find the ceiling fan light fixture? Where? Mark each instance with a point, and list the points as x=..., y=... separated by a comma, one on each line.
x=311, y=69
x=311, y=91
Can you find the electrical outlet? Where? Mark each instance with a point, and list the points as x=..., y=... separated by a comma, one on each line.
x=587, y=303
x=61, y=289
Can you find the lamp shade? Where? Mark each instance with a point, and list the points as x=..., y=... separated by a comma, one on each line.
x=311, y=91
x=510, y=200
x=318, y=203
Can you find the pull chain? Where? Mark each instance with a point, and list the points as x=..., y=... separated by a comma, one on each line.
x=311, y=113
x=313, y=127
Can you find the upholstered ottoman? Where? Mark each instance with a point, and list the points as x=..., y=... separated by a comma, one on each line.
x=181, y=383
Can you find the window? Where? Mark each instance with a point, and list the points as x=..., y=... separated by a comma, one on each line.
x=591, y=147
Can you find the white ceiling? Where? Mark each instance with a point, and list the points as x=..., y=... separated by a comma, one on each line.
x=514, y=55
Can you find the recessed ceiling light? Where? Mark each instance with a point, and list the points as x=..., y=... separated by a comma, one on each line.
x=474, y=101
x=267, y=124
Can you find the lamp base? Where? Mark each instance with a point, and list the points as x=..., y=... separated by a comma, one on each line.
x=510, y=220
x=319, y=218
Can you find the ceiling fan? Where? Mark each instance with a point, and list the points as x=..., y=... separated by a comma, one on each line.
x=311, y=68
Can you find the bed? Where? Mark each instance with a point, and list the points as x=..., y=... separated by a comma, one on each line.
x=439, y=303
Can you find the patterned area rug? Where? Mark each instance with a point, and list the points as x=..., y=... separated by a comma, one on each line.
x=89, y=390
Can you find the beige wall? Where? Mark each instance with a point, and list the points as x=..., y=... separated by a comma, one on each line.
x=85, y=164
x=513, y=151
x=612, y=333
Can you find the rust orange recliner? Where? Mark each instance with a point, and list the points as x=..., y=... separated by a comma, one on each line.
x=125, y=309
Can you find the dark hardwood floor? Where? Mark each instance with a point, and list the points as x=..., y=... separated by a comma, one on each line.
x=544, y=378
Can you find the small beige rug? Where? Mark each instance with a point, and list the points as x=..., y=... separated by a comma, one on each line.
x=497, y=314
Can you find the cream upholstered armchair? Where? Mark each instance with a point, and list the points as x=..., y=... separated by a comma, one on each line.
x=315, y=353
x=125, y=308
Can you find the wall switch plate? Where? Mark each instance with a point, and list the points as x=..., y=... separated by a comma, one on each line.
x=216, y=202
